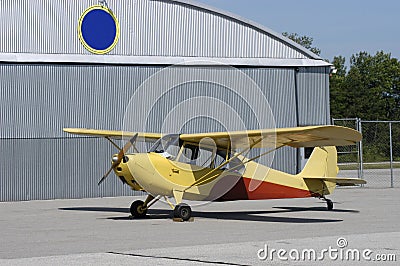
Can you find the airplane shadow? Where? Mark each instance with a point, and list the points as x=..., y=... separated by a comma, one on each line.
x=257, y=216
x=96, y=209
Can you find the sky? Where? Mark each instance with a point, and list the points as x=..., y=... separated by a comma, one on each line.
x=339, y=27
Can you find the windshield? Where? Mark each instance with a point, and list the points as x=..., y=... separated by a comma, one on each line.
x=168, y=146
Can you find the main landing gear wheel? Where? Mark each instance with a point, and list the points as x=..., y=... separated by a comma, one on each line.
x=138, y=209
x=329, y=204
x=183, y=211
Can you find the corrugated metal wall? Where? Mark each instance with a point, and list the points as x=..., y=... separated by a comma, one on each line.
x=39, y=100
x=42, y=99
x=313, y=95
x=148, y=28
x=39, y=161
x=32, y=169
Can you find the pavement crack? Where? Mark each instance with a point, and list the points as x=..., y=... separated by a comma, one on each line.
x=175, y=258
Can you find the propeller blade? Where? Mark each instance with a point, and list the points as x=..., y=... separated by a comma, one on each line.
x=109, y=171
x=105, y=176
x=120, y=155
x=130, y=143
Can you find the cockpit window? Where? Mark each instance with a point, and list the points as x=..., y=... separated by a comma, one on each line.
x=188, y=154
x=201, y=155
x=168, y=146
x=171, y=148
x=205, y=158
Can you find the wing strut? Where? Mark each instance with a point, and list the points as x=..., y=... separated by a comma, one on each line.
x=205, y=178
x=237, y=166
x=113, y=143
x=120, y=156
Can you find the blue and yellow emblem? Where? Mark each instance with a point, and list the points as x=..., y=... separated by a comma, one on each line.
x=98, y=29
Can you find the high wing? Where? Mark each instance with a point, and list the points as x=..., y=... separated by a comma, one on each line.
x=310, y=136
x=113, y=134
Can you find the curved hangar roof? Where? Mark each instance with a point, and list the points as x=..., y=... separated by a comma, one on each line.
x=151, y=32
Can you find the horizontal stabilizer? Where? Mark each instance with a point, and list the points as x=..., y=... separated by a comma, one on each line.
x=340, y=181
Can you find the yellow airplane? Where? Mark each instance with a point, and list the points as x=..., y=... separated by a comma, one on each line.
x=213, y=166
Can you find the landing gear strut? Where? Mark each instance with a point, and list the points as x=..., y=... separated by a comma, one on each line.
x=182, y=211
x=329, y=204
x=139, y=208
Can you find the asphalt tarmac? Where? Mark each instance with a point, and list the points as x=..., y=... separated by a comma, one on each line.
x=376, y=178
x=101, y=232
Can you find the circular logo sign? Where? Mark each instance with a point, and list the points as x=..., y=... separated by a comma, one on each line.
x=98, y=29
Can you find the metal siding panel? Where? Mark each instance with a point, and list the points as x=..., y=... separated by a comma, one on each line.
x=49, y=172
x=278, y=87
x=200, y=33
x=198, y=88
x=148, y=28
x=327, y=98
x=37, y=96
x=42, y=94
x=313, y=91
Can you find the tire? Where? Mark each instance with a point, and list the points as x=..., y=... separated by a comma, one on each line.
x=183, y=211
x=137, y=209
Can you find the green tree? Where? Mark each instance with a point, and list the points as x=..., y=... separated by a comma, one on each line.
x=338, y=99
x=370, y=90
x=304, y=41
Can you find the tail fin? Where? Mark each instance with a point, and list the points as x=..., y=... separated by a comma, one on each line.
x=321, y=170
x=322, y=163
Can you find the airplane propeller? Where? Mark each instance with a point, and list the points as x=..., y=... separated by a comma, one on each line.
x=120, y=156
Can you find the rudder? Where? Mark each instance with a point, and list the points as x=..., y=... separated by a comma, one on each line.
x=322, y=163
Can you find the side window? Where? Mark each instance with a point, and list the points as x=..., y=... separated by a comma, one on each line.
x=187, y=154
x=204, y=158
x=172, y=150
x=218, y=160
x=307, y=152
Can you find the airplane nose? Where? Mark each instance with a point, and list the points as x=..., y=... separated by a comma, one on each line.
x=140, y=166
x=114, y=159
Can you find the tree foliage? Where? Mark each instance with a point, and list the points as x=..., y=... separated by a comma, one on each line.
x=370, y=90
x=304, y=41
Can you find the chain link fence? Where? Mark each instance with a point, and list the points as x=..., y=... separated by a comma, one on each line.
x=377, y=157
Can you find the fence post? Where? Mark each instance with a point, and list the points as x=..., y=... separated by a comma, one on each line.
x=391, y=154
x=360, y=150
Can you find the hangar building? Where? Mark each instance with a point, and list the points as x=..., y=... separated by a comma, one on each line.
x=49, y=79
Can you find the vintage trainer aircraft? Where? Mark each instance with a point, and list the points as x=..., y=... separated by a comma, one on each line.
x=213, y=166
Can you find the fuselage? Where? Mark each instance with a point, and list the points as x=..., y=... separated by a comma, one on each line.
x=158, y=175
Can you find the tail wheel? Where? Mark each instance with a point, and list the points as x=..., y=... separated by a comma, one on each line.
x=138, y=210
x=329, y=204
x=183, y=211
